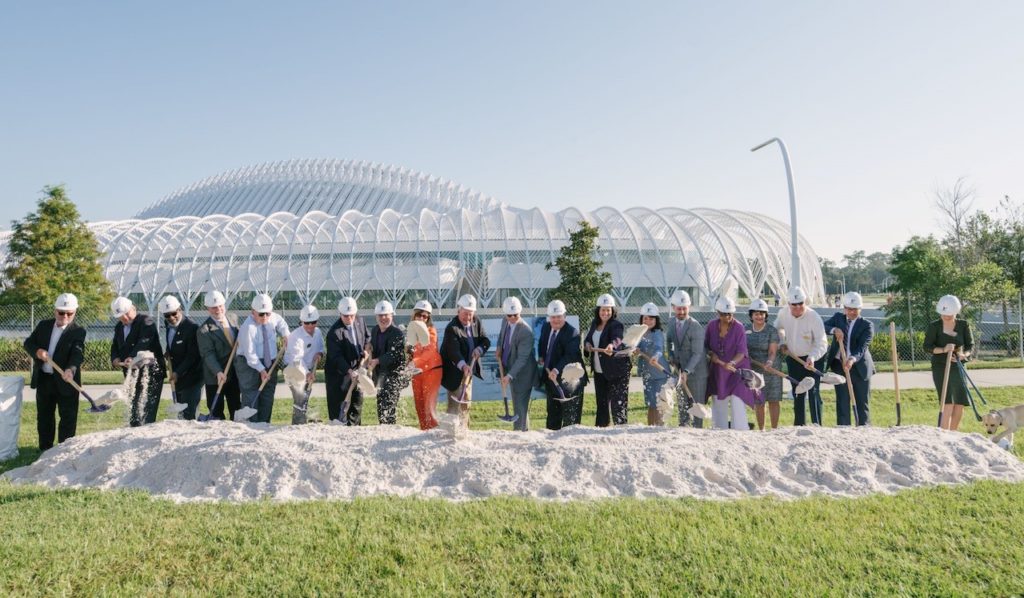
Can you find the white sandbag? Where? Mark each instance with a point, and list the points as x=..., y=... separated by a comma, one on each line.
x=633, y=335
x=10, y=415
x=417, y=334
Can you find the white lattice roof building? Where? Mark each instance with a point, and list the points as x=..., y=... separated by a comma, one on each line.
x=314, y=230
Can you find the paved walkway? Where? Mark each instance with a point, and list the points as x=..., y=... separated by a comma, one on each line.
x=883, y=381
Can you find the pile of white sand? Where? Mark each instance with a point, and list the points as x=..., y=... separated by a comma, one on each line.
x=186, y=460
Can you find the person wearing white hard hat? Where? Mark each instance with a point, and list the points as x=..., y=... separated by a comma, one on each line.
x=426, y=357
x=558, y=347
x=685, y=338
x=387, y=359
x=851, y=335
x=763, y=348
x=304, y=348
x=726, y=343
x=803, y=342
x=464, y=343
x=133, y=334
x=186, y=363
x=949, y=340
x=216, y=339
x=515, y=355
x=256, y=359
x=652, y=366
x=348, y=345
x=61, y=340
x=611, y=371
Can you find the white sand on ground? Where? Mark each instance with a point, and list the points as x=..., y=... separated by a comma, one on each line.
x=187, y=461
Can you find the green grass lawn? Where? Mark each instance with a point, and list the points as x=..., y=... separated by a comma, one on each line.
x=944, y=541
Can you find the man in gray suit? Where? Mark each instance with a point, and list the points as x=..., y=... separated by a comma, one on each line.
x=685, y=337
x=216, y=337
x=515, y=353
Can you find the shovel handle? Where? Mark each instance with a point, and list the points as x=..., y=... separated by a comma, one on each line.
x=273, y=367
x=72, y=382
x=895, y=366
x=849, y=384
x=227, y=367
x=657, y=365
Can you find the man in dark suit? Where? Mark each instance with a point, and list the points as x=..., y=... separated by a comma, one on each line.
x=183, y=350
x=215, y=339
x=386, y=360
x=854, y=333
x=133, y=334
x=62, y=341
x=464, y=339
x=560, y=346
x=347, y=345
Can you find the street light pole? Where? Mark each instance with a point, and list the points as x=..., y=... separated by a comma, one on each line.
x=794, y=274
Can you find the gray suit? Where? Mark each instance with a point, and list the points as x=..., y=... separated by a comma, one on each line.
x=521, y=366
x=214, y=348
x=686, y=352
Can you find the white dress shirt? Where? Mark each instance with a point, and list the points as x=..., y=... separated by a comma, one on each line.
x=250, y=340
x=804, y=335
x=304, y=346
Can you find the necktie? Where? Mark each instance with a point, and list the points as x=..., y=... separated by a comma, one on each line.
x=266, y=347
x=506, y=347
x=469, y=339
x=228, y=332
x=352, y=336
x=170, y=335
x=380, y=342
x=551, y=346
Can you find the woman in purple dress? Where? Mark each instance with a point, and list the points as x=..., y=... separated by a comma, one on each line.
x=726, y=343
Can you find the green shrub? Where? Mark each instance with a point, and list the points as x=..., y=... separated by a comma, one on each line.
x=880, y=345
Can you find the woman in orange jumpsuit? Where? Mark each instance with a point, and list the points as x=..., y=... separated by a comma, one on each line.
x=426, y=357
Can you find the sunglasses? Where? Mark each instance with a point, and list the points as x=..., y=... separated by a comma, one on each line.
x=309, y=323
x=170, y=315
x=421, y=316
x=65, y=313
x=264, y=314
x=796, y=304
x=512, y=316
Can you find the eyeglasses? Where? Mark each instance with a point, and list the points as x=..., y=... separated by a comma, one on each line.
x=263, y=314
x=512, y=316
x=309, y=323
x=170, y=315
x=65, y=313
x=421, y=316
x=796, y=304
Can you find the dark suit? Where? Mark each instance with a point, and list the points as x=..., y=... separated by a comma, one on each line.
x=455, y=349
x=143, y=336
x=859, y=342
x=565, y=350
x=187, y=365
x=53, y=394
x=342, y=357
x=611, y=384
x=389, y=350
x=215, y=348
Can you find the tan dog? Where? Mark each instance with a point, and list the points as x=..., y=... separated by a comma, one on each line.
x=1010, y=418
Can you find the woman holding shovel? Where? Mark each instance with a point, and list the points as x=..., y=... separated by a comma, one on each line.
x=611, y=372
x=949, y=339
x=763, y=346
x=726, y=343
x=427, y=358
x=652, y=365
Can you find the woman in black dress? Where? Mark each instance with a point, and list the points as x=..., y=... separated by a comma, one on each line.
x=611, y=372
x=943, y=336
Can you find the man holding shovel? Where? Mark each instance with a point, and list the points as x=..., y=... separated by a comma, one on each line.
x=186, y=373
x=257, y=357
x=685, y=338
x=305, y=348
x=133, y=334
x=216, y=339
x=803, y=337
x=347, y=342
x=560, y=346
x=62, y=340
x=463, y=345
x=850, y=356
x=517, y=361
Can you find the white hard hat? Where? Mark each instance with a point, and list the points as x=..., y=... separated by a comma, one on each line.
x=556, y=308
x=853, y=299
x=309, y=314
x=66, y=301
x=383, y=308
x=606, y=300
x=347, y=306
x=725, y=305
x=948, y=305
x=424, y=305
x=467, y=302
x=649, y=309
x=169, y=304
x=262, y=303
x=796, y=295
x=121, y=306
x=511, y=306
x=214, y=299
x=680, y=299
x=758, y=305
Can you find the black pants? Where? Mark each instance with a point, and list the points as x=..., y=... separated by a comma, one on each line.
x=612, y=400
x=150, y=403
x=799, y=372
x=336, y=390
x=231, y=396
x=561, y=414
x=388, y=389
x=49, y=402
x=861, y=394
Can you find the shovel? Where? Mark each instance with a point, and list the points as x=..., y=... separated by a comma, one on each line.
x=245, y=413
x=826, y=377
x=849, y=387
x=698, y=410
x=94, y=407
x=175, y=407
x=895, y=370
x=351, y=386
x=220, y=387
x=504, y=396
x=465, y=384
x=799, y=386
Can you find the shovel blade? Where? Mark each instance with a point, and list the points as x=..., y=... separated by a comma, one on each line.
x=509, y=418
x=831, y=378
x=805, y=385
x=700, y=411
x=177, y=407
x=98, y=408
x=243, y=414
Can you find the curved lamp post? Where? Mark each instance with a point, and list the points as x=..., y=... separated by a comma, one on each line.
x=794, y=274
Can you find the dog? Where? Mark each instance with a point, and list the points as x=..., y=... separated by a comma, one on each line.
x=1010, y=418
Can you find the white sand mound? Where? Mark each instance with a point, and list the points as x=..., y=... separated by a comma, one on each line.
x=186, y=460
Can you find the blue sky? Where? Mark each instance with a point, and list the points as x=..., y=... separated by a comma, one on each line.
x=551, y=104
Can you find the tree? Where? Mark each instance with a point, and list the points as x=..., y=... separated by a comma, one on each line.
x=954, y=205
x=52, y=252
x=582, y=278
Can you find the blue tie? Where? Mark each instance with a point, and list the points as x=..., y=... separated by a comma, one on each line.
x=551, y=346
x=506, y=346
